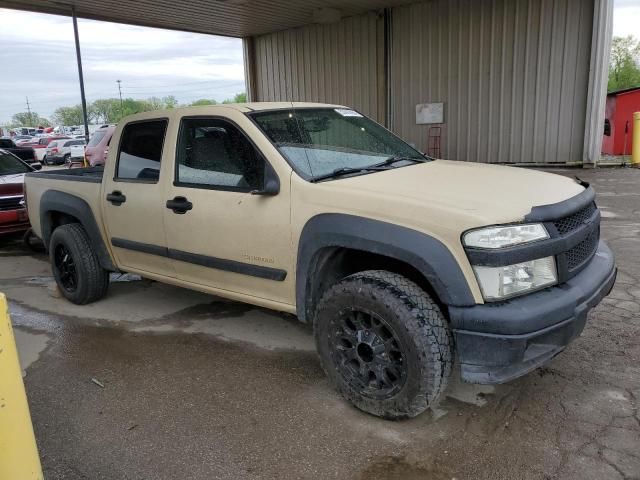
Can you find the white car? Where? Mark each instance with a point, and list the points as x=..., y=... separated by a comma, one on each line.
x=77, y=151
x=59, y=151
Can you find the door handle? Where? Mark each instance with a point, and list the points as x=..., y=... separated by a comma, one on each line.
x=179, y=205
x=116, y=198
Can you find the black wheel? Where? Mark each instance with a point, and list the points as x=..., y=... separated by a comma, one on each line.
x=66, y=160
x=75, y=265
x=384, y=344
x=44, y=160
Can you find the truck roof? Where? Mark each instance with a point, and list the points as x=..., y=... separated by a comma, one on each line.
x=213, y=109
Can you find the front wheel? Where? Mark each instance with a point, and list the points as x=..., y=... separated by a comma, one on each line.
x=66, y=159
x=384, y=344
x=76, y=268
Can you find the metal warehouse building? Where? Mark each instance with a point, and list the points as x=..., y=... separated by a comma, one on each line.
x=508, y=81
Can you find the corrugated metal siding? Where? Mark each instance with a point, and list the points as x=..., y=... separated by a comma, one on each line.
x=513, y=75
x=240, y=18
x=337, y=63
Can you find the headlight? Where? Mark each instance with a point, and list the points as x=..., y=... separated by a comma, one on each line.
x=506, y=236
x=499, y=283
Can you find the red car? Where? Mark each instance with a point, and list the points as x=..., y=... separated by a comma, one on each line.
x=13, y=213
x=98, y=147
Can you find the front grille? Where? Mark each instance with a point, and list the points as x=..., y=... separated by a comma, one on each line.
x=10, y=203
x=572, y=222
x=577, y=255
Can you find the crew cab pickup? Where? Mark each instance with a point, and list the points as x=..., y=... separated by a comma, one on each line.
x=401, y=262
x=26, y=154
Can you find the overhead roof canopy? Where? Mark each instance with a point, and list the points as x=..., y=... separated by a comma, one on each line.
x=234, y=18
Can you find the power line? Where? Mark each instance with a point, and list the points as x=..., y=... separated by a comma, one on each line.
x=172, y=84
x=179, y=92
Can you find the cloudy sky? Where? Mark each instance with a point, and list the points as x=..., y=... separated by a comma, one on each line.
x=37, y=54
x=38, y=59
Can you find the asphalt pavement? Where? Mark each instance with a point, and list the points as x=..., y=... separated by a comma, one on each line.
x=157, y=382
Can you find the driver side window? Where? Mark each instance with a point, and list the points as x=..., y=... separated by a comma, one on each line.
x=214, y=153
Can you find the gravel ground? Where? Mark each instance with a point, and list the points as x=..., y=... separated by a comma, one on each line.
x=195, y=387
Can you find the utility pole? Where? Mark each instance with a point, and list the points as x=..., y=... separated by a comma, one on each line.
x=120, y=92
x=80, y=75
x=29, y=110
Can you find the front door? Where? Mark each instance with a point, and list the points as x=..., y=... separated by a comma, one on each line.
x=219, y=234
x=134, y=203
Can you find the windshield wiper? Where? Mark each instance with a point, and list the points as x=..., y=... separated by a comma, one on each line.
x=398, y=158
x=338, y=172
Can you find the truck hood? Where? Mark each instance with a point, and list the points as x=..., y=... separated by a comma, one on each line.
x=489, y=194
x=11, y=184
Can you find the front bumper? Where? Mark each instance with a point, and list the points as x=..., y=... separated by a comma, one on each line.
x=498, y=342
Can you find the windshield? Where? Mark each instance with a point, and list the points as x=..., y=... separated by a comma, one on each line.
x=97, y=137
x=319, y=141
x=10, y=165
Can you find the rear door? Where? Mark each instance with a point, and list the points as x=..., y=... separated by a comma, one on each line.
x=133, y=206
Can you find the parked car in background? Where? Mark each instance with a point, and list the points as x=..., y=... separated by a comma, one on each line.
x=21, y=139
x=25, y=153
x=43, y=143
x=25, y=131
x=76, y=153
x=13, y=214
x=98, y=146
x=59, y=151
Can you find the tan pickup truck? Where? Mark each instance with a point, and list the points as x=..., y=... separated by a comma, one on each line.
x=402, y=263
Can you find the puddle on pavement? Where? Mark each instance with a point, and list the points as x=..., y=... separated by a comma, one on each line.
x=239, y=322
x=30, y=345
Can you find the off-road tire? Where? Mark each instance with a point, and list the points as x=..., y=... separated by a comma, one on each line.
x=92, y=280
x=417, y=322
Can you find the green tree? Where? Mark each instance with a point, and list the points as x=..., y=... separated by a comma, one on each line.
x=156, y=103
x=170, y=101
x=25, y=119
x=624, y=66
x=203, y=101
x=105, y=110
x=68, y=115
x=237, y=98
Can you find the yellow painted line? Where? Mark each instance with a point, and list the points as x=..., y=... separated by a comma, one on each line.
x=18, y=451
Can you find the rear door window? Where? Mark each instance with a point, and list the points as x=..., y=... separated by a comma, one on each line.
x=140, y=151
x=95, y=139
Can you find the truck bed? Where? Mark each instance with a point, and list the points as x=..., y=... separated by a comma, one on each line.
x=80, y=183
x=91, y=174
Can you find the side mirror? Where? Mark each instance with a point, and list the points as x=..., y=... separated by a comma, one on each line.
x=37, y=166
x=271, y=185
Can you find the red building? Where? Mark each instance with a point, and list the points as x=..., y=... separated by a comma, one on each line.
x=618, y=123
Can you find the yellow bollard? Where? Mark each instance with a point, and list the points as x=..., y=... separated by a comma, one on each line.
x=18, y=451
x=635, y=141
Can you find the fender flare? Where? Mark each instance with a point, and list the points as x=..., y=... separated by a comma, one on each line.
x=424, y=252
x=56, y=201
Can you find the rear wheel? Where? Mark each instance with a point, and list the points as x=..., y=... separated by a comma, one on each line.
x=384, y=344
x=76, y=268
